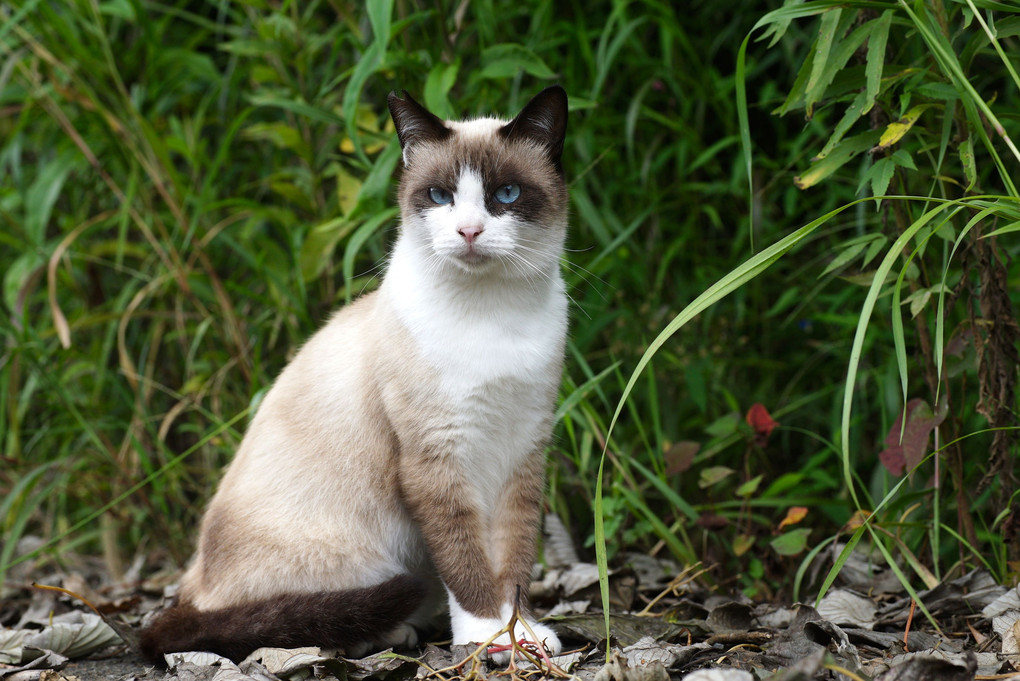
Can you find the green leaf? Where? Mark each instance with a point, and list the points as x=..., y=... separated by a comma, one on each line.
x=358, y=239
x=876, y=58
x=380, y=13
x=967, y=161
x=820, y=74
x=277, y=133
x=750, y=487
x=437, y=87
x=840, y=156
x=296, y=106
x=742, y=543
x=852, y=114
x=846, y=256
x=724, y=425
x=42, y=194
x=508, y=59
x=879, y=175
x=902, y=158
x=121, y=9
x=713, y=475
x=877, y=246
x=791, y=543
x=1008, y=229
x=894, y=132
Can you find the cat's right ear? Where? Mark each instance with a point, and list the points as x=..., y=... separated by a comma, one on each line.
x=414, y=123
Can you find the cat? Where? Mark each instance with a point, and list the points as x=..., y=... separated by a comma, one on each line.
x=398, y=460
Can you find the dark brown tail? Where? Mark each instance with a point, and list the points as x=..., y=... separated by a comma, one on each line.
x=332, y=619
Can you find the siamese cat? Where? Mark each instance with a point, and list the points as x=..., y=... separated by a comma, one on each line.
x=398, y=459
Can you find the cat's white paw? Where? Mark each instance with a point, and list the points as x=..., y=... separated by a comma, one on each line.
x=546, y=637
x=468, y=629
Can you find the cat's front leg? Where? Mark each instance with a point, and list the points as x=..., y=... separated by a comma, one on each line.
x=514, y=529
x=462, y=543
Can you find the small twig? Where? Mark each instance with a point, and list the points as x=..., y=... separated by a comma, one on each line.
x=910, y=619
x=67, y=592
x=673, y=588
x=124, y=632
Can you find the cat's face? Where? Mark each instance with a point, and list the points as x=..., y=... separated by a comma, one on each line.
x=485, y=195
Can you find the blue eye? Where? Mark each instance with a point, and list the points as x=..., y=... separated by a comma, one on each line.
x=508, y=193
x=440, y=197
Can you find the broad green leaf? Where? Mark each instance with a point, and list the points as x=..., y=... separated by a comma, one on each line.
x=437, y=87
x=724, y=425
x=42, y=194
x=879, y=175
x=319, y=245
x=902, y=158
x=348, y=188
x=380, y=14
x=791, y=543
x=713, y=475
x=840, y=156
x=750, y=487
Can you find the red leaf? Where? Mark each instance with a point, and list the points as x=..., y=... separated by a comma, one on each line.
x=906, y=446
x=761, y=421
x=680, y=457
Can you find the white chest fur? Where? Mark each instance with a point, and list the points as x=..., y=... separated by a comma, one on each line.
x=496, y=347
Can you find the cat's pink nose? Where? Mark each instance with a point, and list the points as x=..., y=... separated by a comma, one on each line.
x=470, y=233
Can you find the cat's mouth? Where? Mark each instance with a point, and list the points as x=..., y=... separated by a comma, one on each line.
x=471, y=258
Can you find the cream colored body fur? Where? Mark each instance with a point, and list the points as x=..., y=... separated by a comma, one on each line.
x=450, y=369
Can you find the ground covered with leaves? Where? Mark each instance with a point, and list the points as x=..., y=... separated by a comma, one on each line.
x=664, y=621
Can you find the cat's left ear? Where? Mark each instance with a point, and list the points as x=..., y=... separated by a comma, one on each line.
x=543, y=120
x=414, y=122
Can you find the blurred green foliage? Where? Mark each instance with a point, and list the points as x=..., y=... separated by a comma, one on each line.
x=188, y=188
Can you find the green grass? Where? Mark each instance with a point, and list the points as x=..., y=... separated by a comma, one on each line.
x=187, y=190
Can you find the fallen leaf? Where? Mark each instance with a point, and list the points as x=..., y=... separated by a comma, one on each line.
x=843, y=607
x=719, y=674
x=74, y=639
x=619, y=670
x=1007, y=626
x=924, y=667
